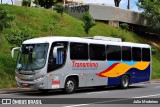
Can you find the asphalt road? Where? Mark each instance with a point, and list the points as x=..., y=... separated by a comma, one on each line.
x=91, y=97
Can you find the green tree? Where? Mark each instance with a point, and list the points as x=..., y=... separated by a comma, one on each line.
x=124, y=26
x=151, y=10
x=88, y=22
x=26, y=3
x=46, y=3
x=5, y=19
x=16, y=37
x=36, y=2
x=59, y=8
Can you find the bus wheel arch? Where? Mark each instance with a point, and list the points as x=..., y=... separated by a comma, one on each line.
x=125, y=81
x=71, y=83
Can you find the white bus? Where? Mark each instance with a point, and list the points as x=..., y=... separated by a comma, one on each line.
x=72, y=62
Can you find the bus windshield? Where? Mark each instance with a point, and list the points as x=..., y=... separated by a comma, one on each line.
x=32, y=56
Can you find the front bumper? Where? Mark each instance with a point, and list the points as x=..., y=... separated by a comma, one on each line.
x=31, y=84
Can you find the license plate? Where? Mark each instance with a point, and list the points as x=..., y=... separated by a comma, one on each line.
x=25, y=84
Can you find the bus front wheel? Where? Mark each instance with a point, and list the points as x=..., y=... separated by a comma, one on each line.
x=124, y=82
x=70, y=86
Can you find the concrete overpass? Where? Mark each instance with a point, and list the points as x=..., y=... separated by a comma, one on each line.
x=113, y=15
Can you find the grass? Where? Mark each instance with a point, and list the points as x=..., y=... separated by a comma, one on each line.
x=43, y=22
x=156, y=66
x=7, y=66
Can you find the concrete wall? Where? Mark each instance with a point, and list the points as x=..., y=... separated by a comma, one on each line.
x=18, y=2
x=108, y=13
x=102, y=12
x=77, y=11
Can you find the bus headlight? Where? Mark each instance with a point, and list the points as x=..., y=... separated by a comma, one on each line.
x=39, y=78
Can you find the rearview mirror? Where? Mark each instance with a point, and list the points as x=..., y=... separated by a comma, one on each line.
x=55, y=50
x=14, y=49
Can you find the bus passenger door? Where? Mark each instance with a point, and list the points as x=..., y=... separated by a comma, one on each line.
x=56, y=64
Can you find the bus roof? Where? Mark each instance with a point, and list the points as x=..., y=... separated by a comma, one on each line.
x=52, y=39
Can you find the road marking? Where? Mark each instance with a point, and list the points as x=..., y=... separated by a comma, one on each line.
x=147, y=96
x=155, y=83
x=97, y=92
x=9, y=94
x=157, y=87
x=141, y=84
x=77, y=105
x=5, y=94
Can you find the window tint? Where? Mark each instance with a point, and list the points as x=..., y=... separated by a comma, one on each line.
x=146, y=54
x=78, y=51
x=113, y=52
x=136, y=54
x=126, y=53
x=97, y=52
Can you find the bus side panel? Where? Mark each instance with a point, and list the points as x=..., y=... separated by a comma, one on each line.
x=55, y=81
x=137, y=71
x=139, y=75
x=99, y=81
x=114, y=81
x=136, y=76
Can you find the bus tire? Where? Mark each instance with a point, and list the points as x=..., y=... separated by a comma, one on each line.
x=124, y=82
x=70, y=86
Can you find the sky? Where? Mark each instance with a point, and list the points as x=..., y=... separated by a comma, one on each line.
x=123, y=3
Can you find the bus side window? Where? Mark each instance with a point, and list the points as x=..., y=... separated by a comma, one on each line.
x=113, y=52
x=97, y=52
x=126, y=53
x=78, y=51
x=136, y=54
x=146, y=56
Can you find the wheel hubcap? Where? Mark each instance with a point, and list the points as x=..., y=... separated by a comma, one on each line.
x=70, y=85
x=125, y=82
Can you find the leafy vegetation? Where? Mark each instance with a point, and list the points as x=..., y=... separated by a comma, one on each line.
x=16, y=37
x=26, y=3
x=155, y=66
x=88, y=22
x=154, y=50
x=46, y=3
x=59, y=8
x=5, y=19
x=37, y=22
x=151, y=10
x=124, y=26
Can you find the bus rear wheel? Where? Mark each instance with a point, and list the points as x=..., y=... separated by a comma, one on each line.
x=124, y=82
x=70, y=86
